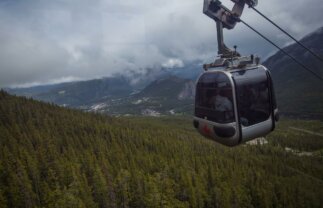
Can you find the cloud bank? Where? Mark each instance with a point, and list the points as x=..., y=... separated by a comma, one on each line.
x=47, y=41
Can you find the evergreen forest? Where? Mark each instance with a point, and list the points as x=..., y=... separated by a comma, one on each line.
x=58, y=157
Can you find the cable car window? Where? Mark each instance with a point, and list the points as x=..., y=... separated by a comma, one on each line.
x=253, y=100
x=214, y=98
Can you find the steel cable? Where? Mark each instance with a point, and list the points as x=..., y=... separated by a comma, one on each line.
x=289, y=35
x=271, y=42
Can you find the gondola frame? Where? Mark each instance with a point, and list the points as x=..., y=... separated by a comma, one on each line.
x=235, y=133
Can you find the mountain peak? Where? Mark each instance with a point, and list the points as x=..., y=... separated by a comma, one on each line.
x=319, y=31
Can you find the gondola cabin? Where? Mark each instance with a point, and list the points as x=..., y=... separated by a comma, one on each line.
x=235, y=105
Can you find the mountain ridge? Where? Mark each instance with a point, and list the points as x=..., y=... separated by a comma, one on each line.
x=298, y=93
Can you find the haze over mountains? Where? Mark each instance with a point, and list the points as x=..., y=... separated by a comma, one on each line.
x=171, y=92
x=298, y=92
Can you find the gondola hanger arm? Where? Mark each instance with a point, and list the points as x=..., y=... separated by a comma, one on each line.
x=224, y=19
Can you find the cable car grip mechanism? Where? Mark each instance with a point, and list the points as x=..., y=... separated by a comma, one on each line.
x=228, y=58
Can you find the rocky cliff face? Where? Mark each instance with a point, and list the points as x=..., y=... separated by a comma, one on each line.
x=188, y=91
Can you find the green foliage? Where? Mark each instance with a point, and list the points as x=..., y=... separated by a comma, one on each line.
x=57, y=157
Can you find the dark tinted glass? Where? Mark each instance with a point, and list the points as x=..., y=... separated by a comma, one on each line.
x=253, y=96
x=272, y=91
x=214, y=98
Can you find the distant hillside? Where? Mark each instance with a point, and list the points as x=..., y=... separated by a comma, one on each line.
x=170, y=87
x=163, y=92
x=298, y=92
x=57, y=157
x=166, y=96
x=77, y=94
x=117, y=96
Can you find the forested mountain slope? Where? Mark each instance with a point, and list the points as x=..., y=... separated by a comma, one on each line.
x=56, y=157
x=298, y=92
x=166, y=96
x=116, y=96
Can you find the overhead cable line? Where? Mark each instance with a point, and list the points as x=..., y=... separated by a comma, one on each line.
x=282, y=50
x=289, y=35
x=271, y=42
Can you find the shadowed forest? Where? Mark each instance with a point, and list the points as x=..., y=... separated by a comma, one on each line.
x=57, y=157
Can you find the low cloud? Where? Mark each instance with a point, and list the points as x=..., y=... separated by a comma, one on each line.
x=45, y=41
x=173, y=63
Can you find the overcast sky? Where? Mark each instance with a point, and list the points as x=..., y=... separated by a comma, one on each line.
x=63, y=40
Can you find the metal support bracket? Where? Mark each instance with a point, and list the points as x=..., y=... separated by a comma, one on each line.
x=223, y=50
x=224, y=19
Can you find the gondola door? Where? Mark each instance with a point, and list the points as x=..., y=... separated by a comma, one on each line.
x=215, y=108
x=255, y=102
